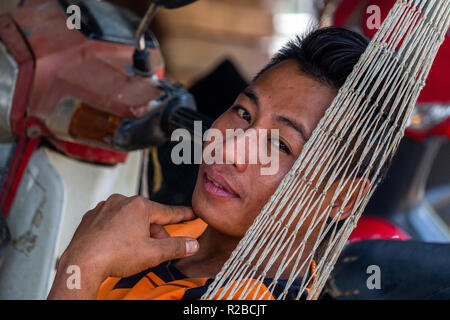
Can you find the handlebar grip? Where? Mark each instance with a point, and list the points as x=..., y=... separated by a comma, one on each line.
x=155, y=128
x=172, y=4
x=183, y=117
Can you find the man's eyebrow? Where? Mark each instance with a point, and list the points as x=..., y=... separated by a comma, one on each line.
x=293, y=124
x=289, y=121
x=252, y=96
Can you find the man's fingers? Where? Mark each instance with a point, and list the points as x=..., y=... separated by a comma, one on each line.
x=158, y=232
x=163, y=214
x=157, y=251
x=173, y=248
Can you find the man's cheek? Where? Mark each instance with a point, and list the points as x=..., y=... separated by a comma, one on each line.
x=268, y=184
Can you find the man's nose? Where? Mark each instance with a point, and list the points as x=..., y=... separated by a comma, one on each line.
x=240, y=150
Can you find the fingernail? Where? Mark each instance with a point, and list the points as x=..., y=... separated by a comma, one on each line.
x=191, y=247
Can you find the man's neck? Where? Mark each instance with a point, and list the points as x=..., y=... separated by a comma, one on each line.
x=214, y=250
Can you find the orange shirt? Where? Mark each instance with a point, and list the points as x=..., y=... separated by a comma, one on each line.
x=165, y=282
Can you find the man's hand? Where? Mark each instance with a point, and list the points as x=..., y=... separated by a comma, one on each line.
x=121, y=237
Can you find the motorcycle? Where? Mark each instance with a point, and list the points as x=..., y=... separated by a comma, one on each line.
x=78, y=109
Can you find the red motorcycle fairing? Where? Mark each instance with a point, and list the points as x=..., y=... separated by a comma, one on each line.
x=360, y=14
x=54, y=63
x=68, y=64
x=437, y=88
x=15, y=43
x=372, y=228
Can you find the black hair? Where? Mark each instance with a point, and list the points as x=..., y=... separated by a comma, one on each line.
x=328, y=55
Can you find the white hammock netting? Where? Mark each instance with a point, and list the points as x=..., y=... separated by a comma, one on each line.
x=301, y=226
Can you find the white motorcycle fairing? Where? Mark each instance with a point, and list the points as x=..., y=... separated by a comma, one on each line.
x=52, y=197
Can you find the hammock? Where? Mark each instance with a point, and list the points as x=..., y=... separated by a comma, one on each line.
x=343, y=159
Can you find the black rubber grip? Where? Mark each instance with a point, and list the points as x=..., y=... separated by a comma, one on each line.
x=182, y=117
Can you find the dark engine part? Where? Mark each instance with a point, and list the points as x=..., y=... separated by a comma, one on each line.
x=407, y=270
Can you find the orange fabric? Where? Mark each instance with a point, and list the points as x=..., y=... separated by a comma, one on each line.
x=150, y=286
x=259, y=291
x=193, y=228
x=174, y=290
x=106, y=291
x=312, y=270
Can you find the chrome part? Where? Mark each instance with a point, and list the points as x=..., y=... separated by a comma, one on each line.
x=143, y=26
x=424, y=117
x=8, y=78
x=423, y=223
x=439, y=197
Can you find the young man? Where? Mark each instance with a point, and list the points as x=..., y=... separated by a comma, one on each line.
x=124, y=237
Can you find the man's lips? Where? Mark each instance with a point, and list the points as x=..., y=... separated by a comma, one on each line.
x=216, y=185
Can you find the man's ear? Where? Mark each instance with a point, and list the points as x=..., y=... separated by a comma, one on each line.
x=358, y=187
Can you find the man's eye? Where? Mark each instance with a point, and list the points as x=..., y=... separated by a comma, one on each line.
x=282, y=146
x=244, y=114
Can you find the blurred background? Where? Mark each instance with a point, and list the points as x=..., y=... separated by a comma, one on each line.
x=195, y=39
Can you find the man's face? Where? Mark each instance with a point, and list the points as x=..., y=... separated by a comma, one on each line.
x=282, y=98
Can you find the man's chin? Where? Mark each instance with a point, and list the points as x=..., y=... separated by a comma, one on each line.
x=212, y=214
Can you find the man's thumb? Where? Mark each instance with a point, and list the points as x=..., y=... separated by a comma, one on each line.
x=175, y=248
